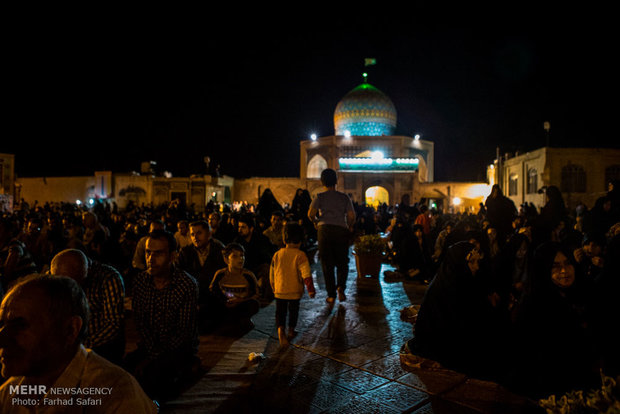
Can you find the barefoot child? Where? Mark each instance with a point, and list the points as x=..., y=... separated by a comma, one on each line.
x=288, y=274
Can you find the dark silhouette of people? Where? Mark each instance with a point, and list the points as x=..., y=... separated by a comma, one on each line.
x=500, y=212
x=553, y=352
x=454, y=326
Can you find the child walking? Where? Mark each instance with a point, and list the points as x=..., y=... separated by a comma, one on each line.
x=288, y=274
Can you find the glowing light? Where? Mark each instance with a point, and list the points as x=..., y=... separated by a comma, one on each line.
x=91, y=201
x=491, y=166
x=313, y=137
x=376, y=155
x=376, y=195
x=456, y=201
x=477, y=191
x=78, y=202
x=347, y=134
x=417, y=137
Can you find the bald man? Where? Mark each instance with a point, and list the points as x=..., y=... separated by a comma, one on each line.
x=105, y=292
x=42, y=324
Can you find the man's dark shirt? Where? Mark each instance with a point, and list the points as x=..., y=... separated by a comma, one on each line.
x=258, y=250
x=224, y=233
x=189, y=260
x=166, y=318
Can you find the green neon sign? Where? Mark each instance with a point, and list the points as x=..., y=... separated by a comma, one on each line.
x=378, y=164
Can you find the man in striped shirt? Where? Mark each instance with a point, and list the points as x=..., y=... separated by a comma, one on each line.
x=105, y=292
x=164, y=306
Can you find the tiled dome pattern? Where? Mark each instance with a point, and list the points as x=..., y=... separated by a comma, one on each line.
x=365, y=111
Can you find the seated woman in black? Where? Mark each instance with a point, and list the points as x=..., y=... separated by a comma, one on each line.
x=454, y=325
x=554, y=350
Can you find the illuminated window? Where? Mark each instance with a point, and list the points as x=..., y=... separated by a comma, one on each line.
x=532, y=181
x=573, y=179
x=513, y=184
x=316, y=166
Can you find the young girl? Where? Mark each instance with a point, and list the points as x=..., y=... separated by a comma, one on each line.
x=288, y=274
x=236, y=288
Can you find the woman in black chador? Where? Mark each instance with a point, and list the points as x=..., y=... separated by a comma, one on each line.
x=553, y=349
x=455, y=323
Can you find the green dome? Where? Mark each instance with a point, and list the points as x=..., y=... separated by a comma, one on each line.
x=365, y=111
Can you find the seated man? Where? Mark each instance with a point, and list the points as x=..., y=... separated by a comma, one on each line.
x=37, y=243
x=258, y=253
x=221, y=229
x=236, y=289
x=139, y=262
x=164, y=310
x=182, y=235
x=201, y=260
x=274, y=232
x=15, y=259
x=105, y=292
x=43, y=321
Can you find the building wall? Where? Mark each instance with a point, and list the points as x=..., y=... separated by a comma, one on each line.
x=520, y=167
x=136, y=189
x=549, y=164
x=283, y=188
x=454, y=196
x=7, y=180
x=55, y=189
x=7, y=173
x=126, y=188
x=593, y=161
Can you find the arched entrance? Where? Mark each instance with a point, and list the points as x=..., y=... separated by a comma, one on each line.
x=316, y=166
x=376, y=195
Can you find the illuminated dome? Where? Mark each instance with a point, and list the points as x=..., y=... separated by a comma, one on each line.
x=365, y=111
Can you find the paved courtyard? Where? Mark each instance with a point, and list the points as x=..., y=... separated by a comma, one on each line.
x=345, y=359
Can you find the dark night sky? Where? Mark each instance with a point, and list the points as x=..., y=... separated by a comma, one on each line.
x=109, y=93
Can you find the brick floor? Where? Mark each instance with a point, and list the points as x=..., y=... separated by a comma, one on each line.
x=344, y=360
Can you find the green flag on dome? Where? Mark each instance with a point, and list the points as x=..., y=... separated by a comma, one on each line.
x=370, y=61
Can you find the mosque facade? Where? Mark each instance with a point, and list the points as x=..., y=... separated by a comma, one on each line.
x=374, y=166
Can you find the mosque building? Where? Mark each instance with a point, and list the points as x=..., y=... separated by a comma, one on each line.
x=374, y=166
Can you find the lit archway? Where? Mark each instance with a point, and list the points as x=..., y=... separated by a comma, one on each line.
x=316, y=166
x=376, y=195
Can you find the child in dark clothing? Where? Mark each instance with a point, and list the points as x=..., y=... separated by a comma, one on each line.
x=236, y=288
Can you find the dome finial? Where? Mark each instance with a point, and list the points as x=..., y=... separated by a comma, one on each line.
x=368, y=62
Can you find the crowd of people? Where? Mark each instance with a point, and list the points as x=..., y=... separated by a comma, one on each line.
x=177, y=273
x=513, y=293
x=524, y=297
